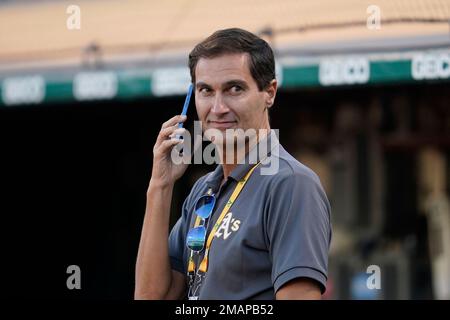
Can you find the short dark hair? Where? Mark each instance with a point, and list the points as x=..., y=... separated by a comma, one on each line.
x=235, y=40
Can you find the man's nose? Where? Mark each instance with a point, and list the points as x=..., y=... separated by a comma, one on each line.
x=219, y=106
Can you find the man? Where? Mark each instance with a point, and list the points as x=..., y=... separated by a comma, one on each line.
x=273, y=241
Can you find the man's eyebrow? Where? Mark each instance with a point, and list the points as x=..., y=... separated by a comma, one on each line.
x=236, y=82
x=228, y=84
x=202, y=85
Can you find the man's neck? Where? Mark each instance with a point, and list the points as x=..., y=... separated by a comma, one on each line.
x=228, y=166
x=227, y=169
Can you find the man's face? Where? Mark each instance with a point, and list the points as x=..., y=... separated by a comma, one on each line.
x=227, y=96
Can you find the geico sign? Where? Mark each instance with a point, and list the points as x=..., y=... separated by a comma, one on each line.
x=431, y=66
x=348, y=70
x=23, y=90
x=95, y=85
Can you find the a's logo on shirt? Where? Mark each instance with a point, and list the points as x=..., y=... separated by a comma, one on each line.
x=228, y=226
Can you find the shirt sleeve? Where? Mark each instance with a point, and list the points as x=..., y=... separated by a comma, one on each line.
x=299, y=230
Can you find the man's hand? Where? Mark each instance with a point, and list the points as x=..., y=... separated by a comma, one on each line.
x=165, y=171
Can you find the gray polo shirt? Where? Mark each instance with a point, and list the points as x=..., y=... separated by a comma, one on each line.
x=277, y=230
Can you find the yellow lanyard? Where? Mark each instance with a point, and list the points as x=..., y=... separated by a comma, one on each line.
x=204, y=264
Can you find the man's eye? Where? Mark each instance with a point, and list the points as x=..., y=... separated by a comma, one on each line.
x=204, y=90
x=236, y=89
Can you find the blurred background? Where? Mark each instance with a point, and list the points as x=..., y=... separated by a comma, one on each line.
x=85, y=86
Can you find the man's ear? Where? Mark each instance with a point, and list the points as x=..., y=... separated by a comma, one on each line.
x=271, y=91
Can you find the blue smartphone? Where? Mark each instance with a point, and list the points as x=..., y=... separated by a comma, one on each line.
x=186, y=105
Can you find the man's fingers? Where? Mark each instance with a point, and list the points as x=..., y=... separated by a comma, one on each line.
x=174, y=120
x=177, y=132
x=168, y=144
x=166, y=133
x=169, y=133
